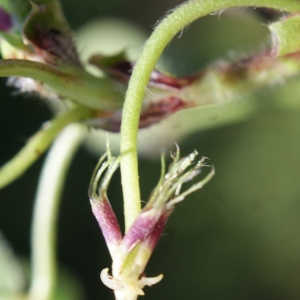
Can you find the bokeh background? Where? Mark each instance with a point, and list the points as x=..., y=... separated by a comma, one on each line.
x=239, y=237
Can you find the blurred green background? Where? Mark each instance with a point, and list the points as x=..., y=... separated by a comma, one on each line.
x=239, y=237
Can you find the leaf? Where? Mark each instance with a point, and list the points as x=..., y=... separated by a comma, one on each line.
x=285, y=35
x=48, y=31
x=11, y=275
x=68, y=287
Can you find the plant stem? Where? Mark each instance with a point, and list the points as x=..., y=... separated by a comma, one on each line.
x=182, y=16
x=47, y=199
x=37, y=144
x=72, y=83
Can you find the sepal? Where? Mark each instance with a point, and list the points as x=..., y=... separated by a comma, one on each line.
x=131, y=253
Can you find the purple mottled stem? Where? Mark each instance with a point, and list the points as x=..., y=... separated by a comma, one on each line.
x=108, y=223
x=5, y=21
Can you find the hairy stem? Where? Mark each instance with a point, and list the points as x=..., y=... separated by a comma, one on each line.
x=37, y=144
x=72, y=83
x=47, y=199
x=162, y=35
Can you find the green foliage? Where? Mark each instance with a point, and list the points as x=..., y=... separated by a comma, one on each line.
x=11, y=274
x=285, y=35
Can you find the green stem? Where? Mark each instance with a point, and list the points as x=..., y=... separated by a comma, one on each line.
x=162, y=35
x=72, y=83
x=37, y=144
x=45, y=211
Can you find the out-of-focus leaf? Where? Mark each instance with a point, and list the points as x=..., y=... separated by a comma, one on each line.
x=11, y=276
x=285, y=35
x=110, y=37
x=47, y=29
x=68, y=287
x=18, y=9
x=12, y=14
x=5, y=21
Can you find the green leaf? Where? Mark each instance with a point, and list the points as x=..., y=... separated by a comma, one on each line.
x=68, y=287
x=285, y=35
x=11, y=275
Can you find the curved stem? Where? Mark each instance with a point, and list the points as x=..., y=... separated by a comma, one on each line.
x=47, y=199
x=72, y=83
x=162, y=35
x=37, y=144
